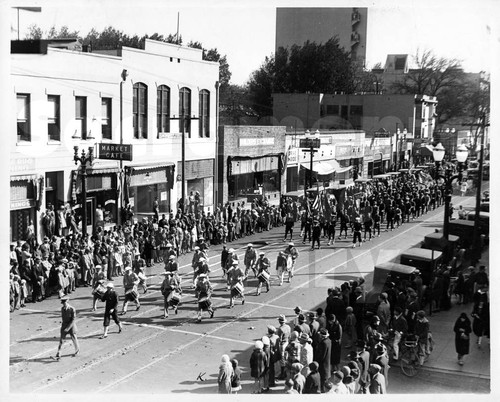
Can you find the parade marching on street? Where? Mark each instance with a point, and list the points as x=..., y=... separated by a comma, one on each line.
x=182, y=264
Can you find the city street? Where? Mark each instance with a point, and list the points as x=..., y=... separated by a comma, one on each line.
x=156, y=355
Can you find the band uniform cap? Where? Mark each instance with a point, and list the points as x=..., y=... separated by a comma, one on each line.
x=249, y=245
x=166, y=273
x=291, y=243
x=201, y=276
x=64, y=261
x=262, y=253
x=170, y=245
x=128, y=268
x=172, y=257
x=196, y=248
x=231, y=250
x=110, y=285
x=64, y=298
x=98, y=266
x=235, y=262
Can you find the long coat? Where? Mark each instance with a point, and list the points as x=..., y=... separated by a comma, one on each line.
x=224, y=378
x=462, y=344
x=258, y=363
x=323, y=353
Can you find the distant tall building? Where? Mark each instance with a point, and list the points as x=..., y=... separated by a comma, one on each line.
x=319, y=24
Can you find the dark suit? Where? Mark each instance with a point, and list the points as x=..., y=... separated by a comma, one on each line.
x=322, y=356
x=111, y=299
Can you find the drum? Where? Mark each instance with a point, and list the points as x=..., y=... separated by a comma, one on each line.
x=263, y=276
x=132, y=294
x=174, y=298
x=237, y=290
x=99, y=291
x=204, y=303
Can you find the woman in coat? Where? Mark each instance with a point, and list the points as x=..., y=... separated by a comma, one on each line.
x=335, y=333
x=323, y=356
x=258, y=366
x=462, y=330
x=225, y=374
x=481, y=315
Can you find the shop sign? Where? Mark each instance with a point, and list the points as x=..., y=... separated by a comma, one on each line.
x=119, y=152
x=252, y=142
x=22, y=165
x=21, y=204
x=293, y=156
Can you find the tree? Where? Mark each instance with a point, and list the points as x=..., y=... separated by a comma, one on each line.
x=214, y=55
x=235, y=106
x=478, y=102
x=432, y=75
x=317, y=68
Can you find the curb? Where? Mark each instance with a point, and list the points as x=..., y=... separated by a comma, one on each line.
x=455, y=372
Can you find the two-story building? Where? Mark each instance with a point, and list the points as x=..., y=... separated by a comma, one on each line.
x=131, y=107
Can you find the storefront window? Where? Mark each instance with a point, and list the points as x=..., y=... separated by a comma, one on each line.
x=143, y=197
x=253, y=183
x=19, y=221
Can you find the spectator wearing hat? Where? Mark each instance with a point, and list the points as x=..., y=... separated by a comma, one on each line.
x=250, y=259
x=314, y=326
x=292, y=352
x=350, y=328
x=274, y=354
x=481, y=315
x=68, y=326
x=283, y=331
x=111, y=309
x=267, y=350
x=462, y=329
x=422, y=331
x=322, y=355
x=384, y=313
x=380, y=357
x=400, y=327
x=263, y=265
x=335, y=333
x=377, y=380
x=313, y=380
x=258, y=366
x=306, y=352
x=335, y=305
x=364, y=363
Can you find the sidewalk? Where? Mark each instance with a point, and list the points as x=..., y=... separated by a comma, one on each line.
x=444, y=356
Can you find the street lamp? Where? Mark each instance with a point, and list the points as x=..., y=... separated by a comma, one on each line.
x=123, y=75
x=312, y=145
x=448, y=177
x=83, y=159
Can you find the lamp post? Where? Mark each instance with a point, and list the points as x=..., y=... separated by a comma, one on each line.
x=312, y=145
x=448, y=177
x=123, y=75
x=83, y=159
x=402, y=150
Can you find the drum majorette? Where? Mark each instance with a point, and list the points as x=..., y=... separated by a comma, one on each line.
x=263, y=264
x=236, y=277
x=203, y=291
x=171, y=291
x=130, y=282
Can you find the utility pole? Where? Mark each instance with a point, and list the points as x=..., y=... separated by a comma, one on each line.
x=476, y=244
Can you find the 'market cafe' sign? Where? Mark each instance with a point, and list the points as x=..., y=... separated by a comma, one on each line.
x=118, y=152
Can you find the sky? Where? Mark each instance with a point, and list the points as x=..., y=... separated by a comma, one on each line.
x=244, y=30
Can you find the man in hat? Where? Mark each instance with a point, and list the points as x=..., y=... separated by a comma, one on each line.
x=273, y=353
x=384, y=313
x=172, y=265
x=422, y=331
x=381, y=358
x=203, y=291
x=306, y=352
x=250, y=259
x=235, y=277
x=323, y=355
x=335, y=305
x=356, y=232
x=303, y=325
x=111, y=309
x=283, y=333
x=400, y=327
x=263, y=264
x=68, y=326
x=363, y=358
x=292, y=253
x=170, y=284
x=316, y=233
x=377, y=380
x=130, y=282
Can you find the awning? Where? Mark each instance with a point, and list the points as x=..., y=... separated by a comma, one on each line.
x=326, y=167
x=103, y=170
x=23, y=177
x=157, y=165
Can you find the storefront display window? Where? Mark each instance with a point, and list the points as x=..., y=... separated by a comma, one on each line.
x=143, y=197
x=251, y=183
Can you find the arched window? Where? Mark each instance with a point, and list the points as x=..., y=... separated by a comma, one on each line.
x=163, y=109
x=185, y=110
x=140, y=110
x=204, y=113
